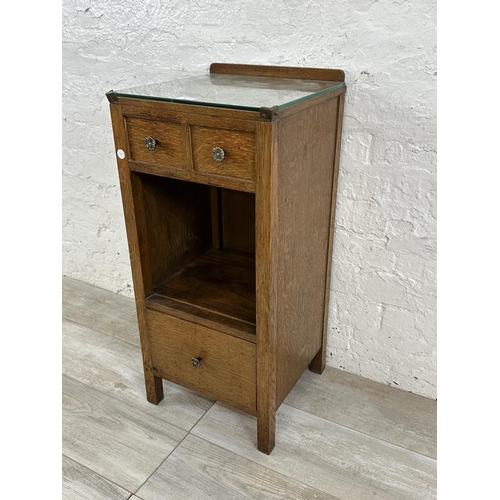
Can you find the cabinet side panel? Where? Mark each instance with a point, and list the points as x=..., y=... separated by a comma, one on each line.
x=318, y=363
x=306, y=148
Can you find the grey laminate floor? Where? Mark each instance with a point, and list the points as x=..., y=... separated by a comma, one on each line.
x=338, y=436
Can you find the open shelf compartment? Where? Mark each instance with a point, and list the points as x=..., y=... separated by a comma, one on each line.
x=199, y=253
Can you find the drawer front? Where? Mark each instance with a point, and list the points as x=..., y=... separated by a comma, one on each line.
x=239, y=152
x=227, y=371
x=170, y=148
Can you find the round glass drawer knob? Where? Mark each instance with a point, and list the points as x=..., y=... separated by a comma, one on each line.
x=196, y=362
x=150, y=143
x=218, y=154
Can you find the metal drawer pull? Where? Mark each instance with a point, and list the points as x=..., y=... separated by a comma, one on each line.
x=218, y=154
x=196, y=362
x=150, y=143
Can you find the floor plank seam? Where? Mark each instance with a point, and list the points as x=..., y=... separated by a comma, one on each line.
x=363, y=433
x=285, y=477
x=162, y=462
x=166, y=458
x=196, y=423
x=98, y=474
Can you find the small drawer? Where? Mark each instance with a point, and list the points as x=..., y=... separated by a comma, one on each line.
x=238, y=152
x=226, y=368
x=158, y=142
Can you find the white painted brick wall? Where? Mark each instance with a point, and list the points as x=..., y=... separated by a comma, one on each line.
x=383, y=303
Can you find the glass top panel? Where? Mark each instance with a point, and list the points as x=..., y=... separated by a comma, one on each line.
x=233, y=91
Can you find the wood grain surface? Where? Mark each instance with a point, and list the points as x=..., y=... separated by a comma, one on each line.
x=171, y=139
x=306, y=147
x=318, y=363
x=238, y=220
x=395, y=416
x=177, y=225
x=114, y=439
x=204, y=317
x=101, y=310
x=80, y=483
x=266, y=221
x=209, y=179
x=324, y=455
x=335, y=75
x=227, y=370
x=239, y=148
x=186, y=113
x=220, y=281
x=185, y=138
x=133, y=210
x=215, y=211
x=201, y=470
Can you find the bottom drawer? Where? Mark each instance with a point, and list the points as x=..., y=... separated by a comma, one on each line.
x=226, y=372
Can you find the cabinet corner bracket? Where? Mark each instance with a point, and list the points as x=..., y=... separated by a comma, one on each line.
x=111, y=97
x=269, y=114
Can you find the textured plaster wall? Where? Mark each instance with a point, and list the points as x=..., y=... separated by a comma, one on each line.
x=383, y=302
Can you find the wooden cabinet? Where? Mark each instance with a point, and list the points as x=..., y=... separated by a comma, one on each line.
x=229, y=187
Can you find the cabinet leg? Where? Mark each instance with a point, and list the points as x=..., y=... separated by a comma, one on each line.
x=154, y=387
x=318, y=363
x=266, y=430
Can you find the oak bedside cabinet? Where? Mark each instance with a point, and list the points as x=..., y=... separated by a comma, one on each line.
x=229, y=184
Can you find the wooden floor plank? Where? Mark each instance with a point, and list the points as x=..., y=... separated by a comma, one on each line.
x=116, y=440
x=81, y=483
x=199, y=470
x=375, y=409
x=329, y=457
x=100, y=309
x=115, y=367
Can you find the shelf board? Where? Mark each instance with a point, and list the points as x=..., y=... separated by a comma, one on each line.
x=217, y=290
